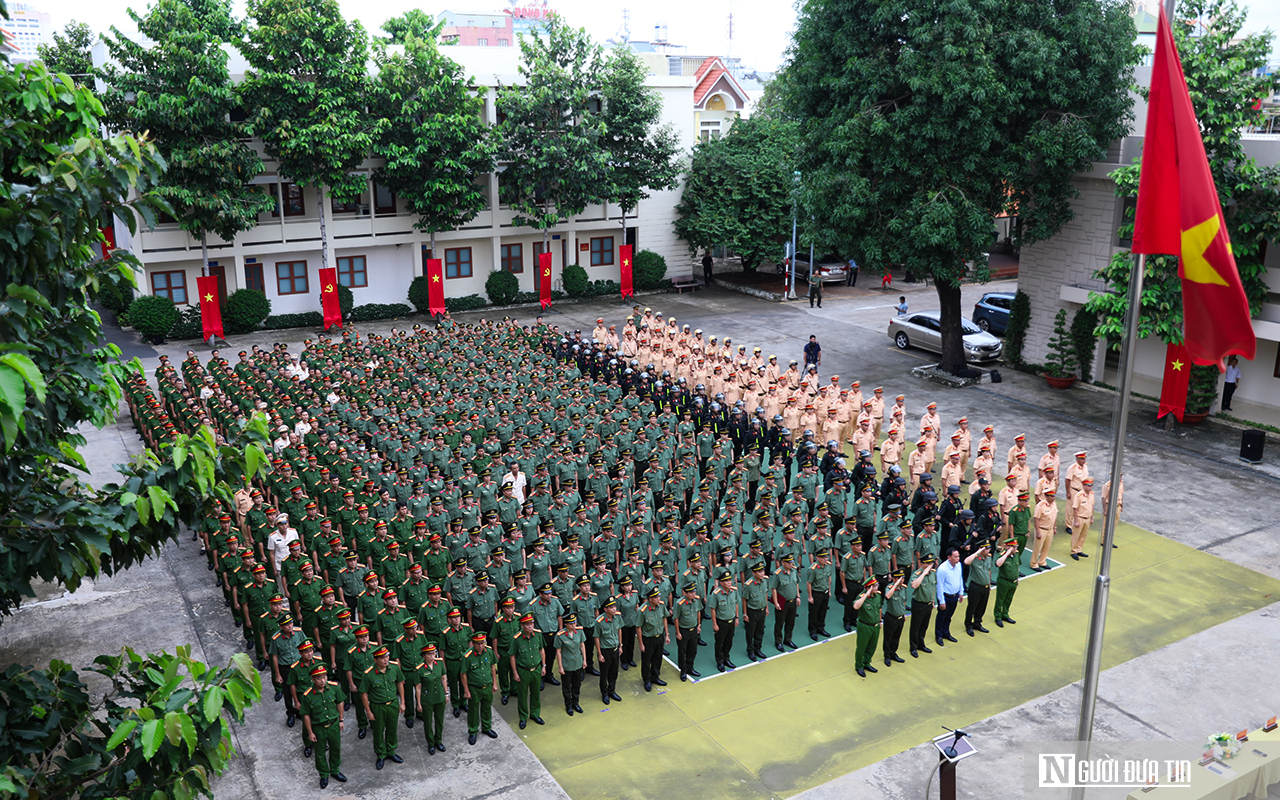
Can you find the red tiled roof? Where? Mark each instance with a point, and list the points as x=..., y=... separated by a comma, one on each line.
x=708, y=75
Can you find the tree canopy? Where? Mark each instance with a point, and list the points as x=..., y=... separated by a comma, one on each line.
x=922, y=120
x=70, y=52
x=740, y=190
x=1221, y=68
x=414, y=23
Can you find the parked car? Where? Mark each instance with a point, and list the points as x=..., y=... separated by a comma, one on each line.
x=992, y=311
x=924, y=330
x=832, y=268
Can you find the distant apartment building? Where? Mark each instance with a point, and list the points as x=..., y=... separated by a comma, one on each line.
x=29, y=28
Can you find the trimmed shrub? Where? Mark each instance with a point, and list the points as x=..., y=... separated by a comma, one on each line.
x=469, y=302
x=346, y=302
x=575, y=280
x=307, y=319
x=534, y=297
x=1015, y=333
x=244, y=311
x=419, y=295
x=153, y=317
x=1083, y=339
x=115, y=295
x=502, y=288
x=190, y=325
x=647, y=270
x=372, y=311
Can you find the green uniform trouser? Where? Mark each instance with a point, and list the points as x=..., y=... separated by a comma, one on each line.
x=480, y=709
x=506, y=681
x=529, y=692
x=433, y=722
x=868, y=635
x=453, y=675
x=362, y=719
x=386, y=728
x=1004, y=597
x=1022, y=545
x=328, y=748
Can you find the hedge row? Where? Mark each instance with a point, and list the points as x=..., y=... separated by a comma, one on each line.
x=373, y=311
x=307, y=319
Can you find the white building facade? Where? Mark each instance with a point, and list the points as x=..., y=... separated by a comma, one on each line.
x=376, y=249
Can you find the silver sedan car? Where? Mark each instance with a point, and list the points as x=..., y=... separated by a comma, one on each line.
x=923, y=330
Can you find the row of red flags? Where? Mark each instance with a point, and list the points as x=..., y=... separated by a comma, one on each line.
x=1179, y=214
x=211, y=308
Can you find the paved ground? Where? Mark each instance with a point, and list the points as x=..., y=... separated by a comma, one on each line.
x=1192, y=646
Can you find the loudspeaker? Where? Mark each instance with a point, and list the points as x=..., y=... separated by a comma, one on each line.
x=1251, y=442
x=995, y=376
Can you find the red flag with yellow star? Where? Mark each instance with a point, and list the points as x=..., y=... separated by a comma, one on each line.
x=624, y=253
x=329, y=302
x=1177, y=377
x=210, y=306
x=544, y=279
x=1179, y=214
x=435, y=286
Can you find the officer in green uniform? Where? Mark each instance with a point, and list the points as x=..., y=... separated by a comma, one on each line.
x=1008, y=565
x=981, y=564
x=432, y=617
x=688, y=618
x=608, y=634
x=755, y=610
x=821, y=579
x=284, y=654
x=255, y=602
x=894, y=610
x=504, y=632
x=528, y=664
x=924, y=592
x=382, y=695
x=785, y=587
x=724, y=602
x=570, y=657
x=355, y=661
x=407, y=649
x=454, y=643
x=547, y=611
x=479, y=682
x=323, y=724
x=431, y=697
x=1018, y=524
x=868, y=606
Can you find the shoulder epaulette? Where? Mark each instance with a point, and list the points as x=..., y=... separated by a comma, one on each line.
x=368, y=669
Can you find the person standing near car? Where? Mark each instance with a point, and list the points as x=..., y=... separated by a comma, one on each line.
x=852, y=278
x=1231, y=381
x=707, y=263
x=812, y=353
x=815, y=288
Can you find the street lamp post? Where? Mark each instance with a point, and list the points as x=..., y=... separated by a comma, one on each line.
x=795, y=212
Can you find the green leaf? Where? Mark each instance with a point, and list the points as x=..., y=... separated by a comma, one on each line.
x=173, y=727
x=24, y=366
x=120, y=734
x=189, y=733
x=152, y=736
x=213, y=704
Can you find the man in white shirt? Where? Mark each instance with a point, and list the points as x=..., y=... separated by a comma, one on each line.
x=281, y=443
x=278, y=540
x=517, y=481
x=1231, y=380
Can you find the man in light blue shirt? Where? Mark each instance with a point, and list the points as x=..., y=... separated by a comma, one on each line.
x=950, y=595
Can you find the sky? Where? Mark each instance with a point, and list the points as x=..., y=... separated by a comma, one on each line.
x=761, y=28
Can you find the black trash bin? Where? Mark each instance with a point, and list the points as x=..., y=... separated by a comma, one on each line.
x=1251, y=442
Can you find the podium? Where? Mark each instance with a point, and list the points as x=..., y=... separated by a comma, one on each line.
x=953, y=747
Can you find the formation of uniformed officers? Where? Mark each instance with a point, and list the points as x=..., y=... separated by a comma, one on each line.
x=463, y=511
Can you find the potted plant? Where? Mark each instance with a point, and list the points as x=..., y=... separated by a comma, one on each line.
x=1202, y=393
x=1060, y=363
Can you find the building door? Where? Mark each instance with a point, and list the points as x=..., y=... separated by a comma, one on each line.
x=220, y=273
x=253, y=277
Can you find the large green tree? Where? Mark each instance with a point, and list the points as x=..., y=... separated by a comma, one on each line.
x=69, y=53
x=739, y=190
x=1220, y=66
x=179, y=89
x=307, y=93
x=643, y=154
x=552, y=139
x=414, y=23
x=431, y=135
x=158, y=727
x=922, y=120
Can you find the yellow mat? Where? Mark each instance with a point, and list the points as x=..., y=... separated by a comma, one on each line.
x=793, y=723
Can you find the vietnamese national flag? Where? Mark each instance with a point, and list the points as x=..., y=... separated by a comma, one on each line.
x=435, y=286
x=210, y=307
x=108, y=239
x=329, y=298
x=1179, y=214
x=624, y=253
x=1177, y=378
x=544, y=279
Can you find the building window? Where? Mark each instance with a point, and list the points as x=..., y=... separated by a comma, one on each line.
x=348, y=205
x=513, y=258
x=457, y=262
x=504, y=43
x=294, y=206
x=384, y=200
x=253, y=278
x=172, y=285
x=352, y=273
x=291, y=277
x=1128, y=212
x=710, y=130
x=602, y=251
x=482, y=42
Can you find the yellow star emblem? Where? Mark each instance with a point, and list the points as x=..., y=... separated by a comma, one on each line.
x=435, y=278
x=626, y=262
x=1195, y=242
x=208, y=298
x=1176, y=364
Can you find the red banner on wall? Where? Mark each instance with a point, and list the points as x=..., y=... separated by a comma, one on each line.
x=210, y=306
x=624, y=253
x=1177, y=378
x=544, y=279
x=329, y=298
x=109, y=239
x=435, y=286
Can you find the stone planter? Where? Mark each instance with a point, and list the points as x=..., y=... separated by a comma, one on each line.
x=1060, y=383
